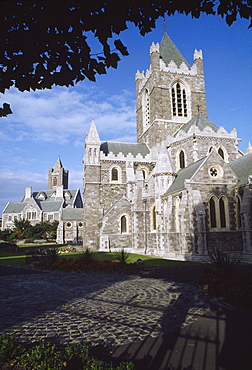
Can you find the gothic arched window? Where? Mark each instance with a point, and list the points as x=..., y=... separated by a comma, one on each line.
x=179, y=100
x=238, y=211
x=182, y=159
x=212, y=208
x=223, y=221
x=55, y=181
x=218, y=209
x=221, y=153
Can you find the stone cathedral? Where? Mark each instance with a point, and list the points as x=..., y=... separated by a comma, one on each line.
x=184, y=187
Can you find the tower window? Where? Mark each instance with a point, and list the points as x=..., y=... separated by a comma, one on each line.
x=114, y=174
x=146, y=108
x=55, y=182
x=179, y=101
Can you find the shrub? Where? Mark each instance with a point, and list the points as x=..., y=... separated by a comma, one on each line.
x=225, y=263
x=46, y=356
x=52, y=255
x=122, y=257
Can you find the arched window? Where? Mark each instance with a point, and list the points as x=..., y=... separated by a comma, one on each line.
x=218, y=210
x=114, y=174
x=223, y=222
x=213, y=221
x=238, y=212
x=153, y=218
x=221, y=153
x=55, y=181
x=182, y=159
x=179, y=100
x=124, y=224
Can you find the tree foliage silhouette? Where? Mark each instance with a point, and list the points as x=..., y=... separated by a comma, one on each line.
x=46, y=43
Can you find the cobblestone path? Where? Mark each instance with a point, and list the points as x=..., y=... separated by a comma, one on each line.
x=111, y=309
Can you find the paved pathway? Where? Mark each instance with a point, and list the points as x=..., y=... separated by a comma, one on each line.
x=111, y=309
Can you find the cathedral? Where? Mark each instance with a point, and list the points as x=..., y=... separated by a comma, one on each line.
x=184, y=187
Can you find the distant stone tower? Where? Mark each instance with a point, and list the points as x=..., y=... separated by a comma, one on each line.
x=169, y=94
x=57, y=176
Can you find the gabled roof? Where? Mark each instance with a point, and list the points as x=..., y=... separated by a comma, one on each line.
x=182, y=175
x=200, y=121
x=169, y=52
x=242, y=167
x=50, y=206
x=14, y=207
x=125, y=148
x=72, y=214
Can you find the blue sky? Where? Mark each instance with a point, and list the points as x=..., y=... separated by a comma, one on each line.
x=51, y=123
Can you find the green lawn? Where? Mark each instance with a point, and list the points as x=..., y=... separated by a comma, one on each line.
x=8, y=258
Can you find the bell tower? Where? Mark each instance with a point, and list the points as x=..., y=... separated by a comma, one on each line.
x=57, y=176
x=169, y=94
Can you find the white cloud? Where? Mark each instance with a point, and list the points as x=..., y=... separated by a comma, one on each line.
x=63, y=113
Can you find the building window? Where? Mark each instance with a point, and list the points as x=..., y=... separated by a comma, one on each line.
x=182, y=159
x=179, y=100
x=146, y=109
x=223, y=153
x=223, y=222
x=31, y=215
x=124, y=224
x=115, y=174
x=238, y=212
x=80, y=224
x=50, y=217
x=213, y=222
x=218, y=209
x=55, y=182
x=69, y=224
x=153, y=218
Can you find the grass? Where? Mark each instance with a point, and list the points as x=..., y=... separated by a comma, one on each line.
x=8, y=258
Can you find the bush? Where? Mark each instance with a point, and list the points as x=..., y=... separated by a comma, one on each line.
x=45, y=356
x=225, y=263
x=122, y=257
x=52, y=255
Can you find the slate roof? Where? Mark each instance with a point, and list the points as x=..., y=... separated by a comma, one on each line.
x=50, y=206
x=199, y=121
x=242, y=167
x=169, y=52
x=72, y=214
x=182, y=175
x=14, y=207
x=125, y=148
